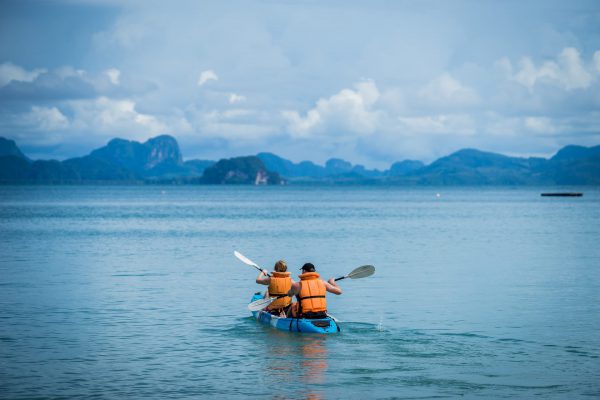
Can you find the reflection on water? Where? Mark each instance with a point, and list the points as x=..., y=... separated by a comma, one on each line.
x=292, y=357
x=314, y=359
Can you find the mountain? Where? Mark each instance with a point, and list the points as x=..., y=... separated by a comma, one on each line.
x=572, y=165
x=575, y=165
x=142, y=158
x=159, y=160
x=404, y=167
x=92, y=169
x=197, y=167
x=14, y=169
x=156, y=160
x=334, y=169
x=240, y=170
x=474, y=167
x=337, y=166
x=9, y=148
x=572, y=152
x=290, y=170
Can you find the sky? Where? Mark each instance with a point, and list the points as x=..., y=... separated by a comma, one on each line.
x=372, y=82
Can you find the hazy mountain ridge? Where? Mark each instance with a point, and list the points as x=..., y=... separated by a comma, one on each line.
x=9, y=148
x=159, y=160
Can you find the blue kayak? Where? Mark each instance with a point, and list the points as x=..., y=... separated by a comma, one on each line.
x=321, y=325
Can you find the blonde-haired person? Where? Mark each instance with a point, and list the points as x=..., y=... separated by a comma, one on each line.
x=279, y=284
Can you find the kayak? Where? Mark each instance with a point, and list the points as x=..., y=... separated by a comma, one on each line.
x=321, y=325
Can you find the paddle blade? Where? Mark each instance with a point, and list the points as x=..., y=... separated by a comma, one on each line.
x=362, y=272
x=260, y=304
x=244, y=259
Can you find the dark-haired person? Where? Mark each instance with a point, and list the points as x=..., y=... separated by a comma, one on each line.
x=279, y=284
x=311, y=292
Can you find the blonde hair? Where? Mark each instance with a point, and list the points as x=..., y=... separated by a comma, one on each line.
x=280, y=266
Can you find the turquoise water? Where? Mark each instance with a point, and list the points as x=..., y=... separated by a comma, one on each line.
x=134, y=291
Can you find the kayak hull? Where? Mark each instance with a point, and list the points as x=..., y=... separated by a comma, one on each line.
x=321, y=325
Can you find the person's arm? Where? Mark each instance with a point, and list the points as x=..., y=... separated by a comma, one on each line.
x=295, y=289
x=332, y=287
x=263, y=278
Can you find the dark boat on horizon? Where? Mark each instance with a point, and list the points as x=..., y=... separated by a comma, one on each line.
x=562, y=194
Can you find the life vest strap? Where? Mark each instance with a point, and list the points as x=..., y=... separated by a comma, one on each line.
x=311, y=297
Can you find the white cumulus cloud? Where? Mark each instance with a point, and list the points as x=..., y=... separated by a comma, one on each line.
x=349, y=111
x=11, y=72
x=109, y=116
x=205, y=76
x=568, y=71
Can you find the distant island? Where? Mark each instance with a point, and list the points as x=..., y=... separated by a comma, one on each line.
x=159, y=161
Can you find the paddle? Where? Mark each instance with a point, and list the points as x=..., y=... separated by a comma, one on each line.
x=262, y=303
x=357, y=273
x=333, y=318
x=360, y=272
x=249, y=262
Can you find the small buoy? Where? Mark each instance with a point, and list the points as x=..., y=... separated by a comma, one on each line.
x=438, y=195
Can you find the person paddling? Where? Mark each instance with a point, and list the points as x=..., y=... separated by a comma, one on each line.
x=279, y=284
x=311, y=292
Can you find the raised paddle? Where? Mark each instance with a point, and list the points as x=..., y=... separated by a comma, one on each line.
x=249, y=262
x=360, y=272
x=357, y=273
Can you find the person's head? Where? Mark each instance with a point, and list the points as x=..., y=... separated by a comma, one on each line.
x=280, y=266
x=308, y=267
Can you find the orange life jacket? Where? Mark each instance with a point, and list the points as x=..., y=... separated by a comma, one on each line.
x=312, y=293
x=280, y=284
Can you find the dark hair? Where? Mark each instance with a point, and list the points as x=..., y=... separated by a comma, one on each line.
x=308, y=267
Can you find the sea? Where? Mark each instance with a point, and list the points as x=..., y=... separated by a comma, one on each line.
x=116, y=292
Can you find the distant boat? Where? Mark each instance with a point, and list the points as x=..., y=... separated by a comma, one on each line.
x=563, y=194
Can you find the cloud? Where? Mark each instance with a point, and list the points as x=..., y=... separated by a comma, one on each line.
x=67, y=83
x=446, y=90
x=234, y=125
x=138, y=69
x=10, y=72
x=113, y=75
x=45, y=119
x=567, y=71
x=236, y=98
x=208, y=75
x=450, y=124
x=349, y=111
x=52, y=85
x=539, y=125
x=107, y=116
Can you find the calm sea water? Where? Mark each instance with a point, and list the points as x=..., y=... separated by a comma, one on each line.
x=134, y=291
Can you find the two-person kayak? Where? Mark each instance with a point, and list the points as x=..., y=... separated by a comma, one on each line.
x=320, y=325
